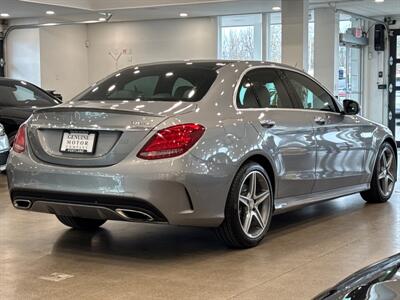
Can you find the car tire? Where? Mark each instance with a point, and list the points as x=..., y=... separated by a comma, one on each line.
x=80, y=223
x=384, y=175
x=236, y=230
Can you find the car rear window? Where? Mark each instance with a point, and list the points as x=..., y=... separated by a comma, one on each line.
x=175, y=82
x=22, y=94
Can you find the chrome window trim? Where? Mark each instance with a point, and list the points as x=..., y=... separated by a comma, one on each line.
x=279, y=67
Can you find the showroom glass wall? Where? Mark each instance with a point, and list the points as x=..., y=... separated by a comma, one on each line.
x=244, y=36
x=350, y=62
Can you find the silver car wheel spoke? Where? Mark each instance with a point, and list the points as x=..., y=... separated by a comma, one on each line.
x=254, y=207
x=247, y=221
x=261, y=198
x=258, y=217
x=244, y=200
x=389, y=161
x=253, y=185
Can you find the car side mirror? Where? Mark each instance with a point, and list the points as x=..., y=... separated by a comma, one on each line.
x=350, y=107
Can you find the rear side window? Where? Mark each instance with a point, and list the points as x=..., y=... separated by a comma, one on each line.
x=175, y=82
x=20, y=94
x=262, y=88
x=309, y=93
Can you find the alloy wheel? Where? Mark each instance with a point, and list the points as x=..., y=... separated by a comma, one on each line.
x=386, y=169
x=254, y=204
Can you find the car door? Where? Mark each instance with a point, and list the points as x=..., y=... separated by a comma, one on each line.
x=341, y=139
x=287, y=133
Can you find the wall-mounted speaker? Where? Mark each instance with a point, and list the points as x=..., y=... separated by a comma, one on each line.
x=379, y=37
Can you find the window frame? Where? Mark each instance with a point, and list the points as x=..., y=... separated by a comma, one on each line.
x=299, y=103
x=296, y=102
x=281, y=82
x=258, y=32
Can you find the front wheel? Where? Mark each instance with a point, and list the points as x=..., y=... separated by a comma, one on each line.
x=248, y=209
x=383, y=178
x=80, y=223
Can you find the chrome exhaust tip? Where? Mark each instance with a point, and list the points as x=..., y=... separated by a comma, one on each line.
x=22, y=204
x=134, y=215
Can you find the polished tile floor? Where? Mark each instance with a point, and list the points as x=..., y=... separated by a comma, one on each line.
x=305, y=252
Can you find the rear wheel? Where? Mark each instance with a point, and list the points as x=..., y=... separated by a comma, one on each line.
x=248, y=209
x=383, y=178
x=80, y=223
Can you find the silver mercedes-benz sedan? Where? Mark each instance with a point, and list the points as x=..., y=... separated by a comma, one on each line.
x=201, y=143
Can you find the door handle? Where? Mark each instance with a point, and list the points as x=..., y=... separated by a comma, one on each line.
x=267, y=123
x=320, y=120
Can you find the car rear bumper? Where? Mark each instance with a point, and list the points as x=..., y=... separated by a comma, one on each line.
x=87, y=206
x=161, y=192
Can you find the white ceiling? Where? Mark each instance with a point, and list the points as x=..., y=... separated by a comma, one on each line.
x=123, y=10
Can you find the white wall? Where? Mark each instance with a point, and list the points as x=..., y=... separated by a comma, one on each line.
x=64, y=59
x=149, y=41
x=58, y=57
x=326, y=43
x=23, y=55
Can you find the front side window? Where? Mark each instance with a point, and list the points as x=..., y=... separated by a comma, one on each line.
x=262, y=88
x=309, y=93
x=169, y=82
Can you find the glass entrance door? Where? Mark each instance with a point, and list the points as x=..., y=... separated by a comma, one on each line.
x=394, y=85
x=349, y=80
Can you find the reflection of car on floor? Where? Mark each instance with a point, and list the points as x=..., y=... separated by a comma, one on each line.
x=18, y=99
x=212, y=143
x=378, y=281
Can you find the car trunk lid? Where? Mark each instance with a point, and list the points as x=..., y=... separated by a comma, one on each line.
x=119, y=127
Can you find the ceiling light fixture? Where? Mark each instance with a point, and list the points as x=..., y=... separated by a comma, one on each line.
x=276, y=8
x=50, y=12
x=4, y=15
x=102, y=19
x=379, y=1
x=183, y=15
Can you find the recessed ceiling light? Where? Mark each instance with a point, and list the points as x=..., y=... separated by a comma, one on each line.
x=102, y=19
x=50, y=12
x=183, y=15
x=276, y=8
x=379, y=1
x=4, y=15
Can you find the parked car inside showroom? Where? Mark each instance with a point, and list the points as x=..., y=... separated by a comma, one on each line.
x=201, y=143
x=18, y=99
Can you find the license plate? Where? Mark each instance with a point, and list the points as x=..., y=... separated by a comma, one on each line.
x=78, y=142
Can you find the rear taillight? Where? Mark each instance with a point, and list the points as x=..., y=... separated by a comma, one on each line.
x=172, y=141
x=20, y=139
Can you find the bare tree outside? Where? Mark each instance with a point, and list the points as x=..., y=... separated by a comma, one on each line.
x=238, y=42
x=275, y=43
